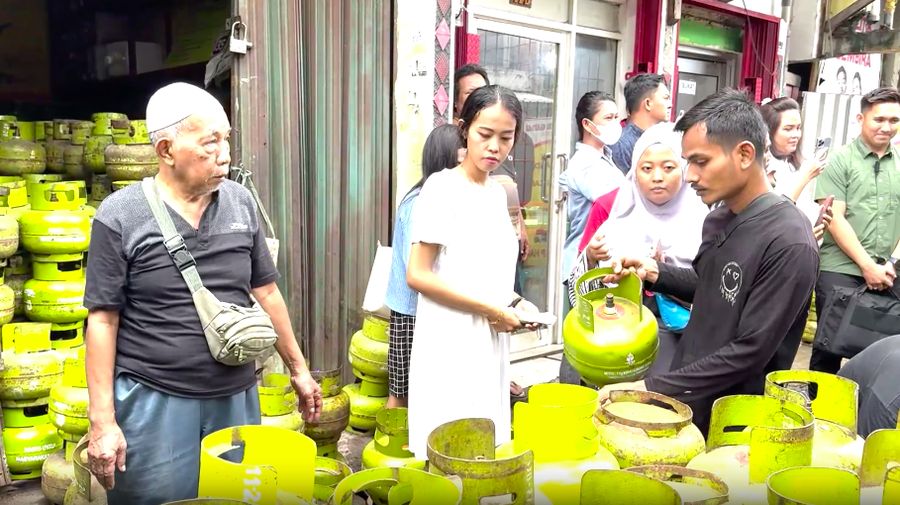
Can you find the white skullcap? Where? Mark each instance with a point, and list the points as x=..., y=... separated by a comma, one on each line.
x=173, y=103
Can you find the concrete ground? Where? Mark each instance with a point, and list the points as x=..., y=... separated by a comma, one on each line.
x=527, y=371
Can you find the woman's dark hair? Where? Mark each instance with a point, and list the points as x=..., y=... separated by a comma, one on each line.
x=588, y=107
x=441, y=151
x=485, y=97
x=771, y=113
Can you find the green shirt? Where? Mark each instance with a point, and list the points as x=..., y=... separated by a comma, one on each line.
x=873, y=202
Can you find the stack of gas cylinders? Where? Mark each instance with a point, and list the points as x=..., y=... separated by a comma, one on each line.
x=368, y=355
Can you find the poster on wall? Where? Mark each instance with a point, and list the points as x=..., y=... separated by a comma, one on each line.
x=854, y=74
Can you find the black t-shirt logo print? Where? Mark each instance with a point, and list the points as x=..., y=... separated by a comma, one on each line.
x=731, y=281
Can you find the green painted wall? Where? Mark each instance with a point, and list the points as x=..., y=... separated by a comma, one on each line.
x=697, y=32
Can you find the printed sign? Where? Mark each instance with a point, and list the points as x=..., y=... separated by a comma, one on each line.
x=521, y=3
x=686, y=87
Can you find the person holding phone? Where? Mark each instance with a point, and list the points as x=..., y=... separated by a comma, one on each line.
x=790, y=174
x=864, y=178
x=462, y=263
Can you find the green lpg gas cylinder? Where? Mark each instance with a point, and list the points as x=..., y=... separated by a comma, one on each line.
x=58, y=473
x=32, y=179
x=54, y=301
x=389, y=448
x=750, y=438
x=813, y=486
x=69, y=400
x=27, y=130
x=9, y=234
x=610, y=336
x=410, y=486
x=16, y=273
x=85, y=489
x=369, y=350
x=68, y=339
x=334, y=415
x=556, y=424
x=465, y=448
x=19, y=156
x=131, y=156
x=879, y=473
x=7, y=124
x=117, y=185
x=622, y=487
x=56, y=148
x=57, y=223
x=73, y=154
x=366, y=400
x=833, y=402
x=278, y=402
x=645, y=428
x=14, y=193
x=278, y=466
x=29, y=439
x=43, y=133
x=101, y=136
x=40, y=132
x=30, y=367
x=101, y=187
x=329, y=473
x=7, y=304
x=695, y=487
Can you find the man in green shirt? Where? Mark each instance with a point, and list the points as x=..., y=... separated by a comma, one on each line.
x=864, y=177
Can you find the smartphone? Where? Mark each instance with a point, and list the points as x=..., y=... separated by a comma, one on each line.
x=823, y=145
x=824, y=209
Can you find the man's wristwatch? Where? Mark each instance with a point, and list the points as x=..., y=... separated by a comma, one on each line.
x=895, y=261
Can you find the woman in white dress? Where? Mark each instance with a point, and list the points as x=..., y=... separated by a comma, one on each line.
x=462, y=264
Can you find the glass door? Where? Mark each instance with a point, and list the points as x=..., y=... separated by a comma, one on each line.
x=527, y=61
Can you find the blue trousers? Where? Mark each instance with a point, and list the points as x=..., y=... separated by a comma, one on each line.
x=163, y=433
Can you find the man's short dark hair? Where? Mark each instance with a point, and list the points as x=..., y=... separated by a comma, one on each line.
x=730, y=118
x=465, y=71
x=639, y=88
x=877, y=96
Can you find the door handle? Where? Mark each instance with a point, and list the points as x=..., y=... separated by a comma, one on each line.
x=545, y=164
x=560, y=202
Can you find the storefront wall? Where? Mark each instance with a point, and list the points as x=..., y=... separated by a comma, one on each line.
x=313, y=123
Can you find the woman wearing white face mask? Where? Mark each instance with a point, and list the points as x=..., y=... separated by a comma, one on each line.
x=591, y=172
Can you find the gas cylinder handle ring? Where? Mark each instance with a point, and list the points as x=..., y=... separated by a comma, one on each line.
x=82, y=473
x=651, y=428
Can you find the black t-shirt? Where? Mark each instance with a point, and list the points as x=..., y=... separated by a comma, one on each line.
x=160, y=340
x=877, y=371
x=751, y=286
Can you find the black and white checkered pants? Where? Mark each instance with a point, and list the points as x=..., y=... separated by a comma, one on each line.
x=401, y=335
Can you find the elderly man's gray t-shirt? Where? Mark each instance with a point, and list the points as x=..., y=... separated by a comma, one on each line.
x=160, y=341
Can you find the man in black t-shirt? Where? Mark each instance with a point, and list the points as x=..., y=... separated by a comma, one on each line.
x=152, y=381
x=753, y=276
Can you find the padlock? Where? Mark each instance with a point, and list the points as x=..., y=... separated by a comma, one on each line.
x=238, y=43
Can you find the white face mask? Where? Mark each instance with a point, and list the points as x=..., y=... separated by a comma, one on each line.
x=609, y=133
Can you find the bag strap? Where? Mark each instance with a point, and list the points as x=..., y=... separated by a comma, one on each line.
x=172, y=240
x=756, y=207
x=243, y=178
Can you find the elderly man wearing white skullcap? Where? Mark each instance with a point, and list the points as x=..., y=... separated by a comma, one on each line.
x=155, y=389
